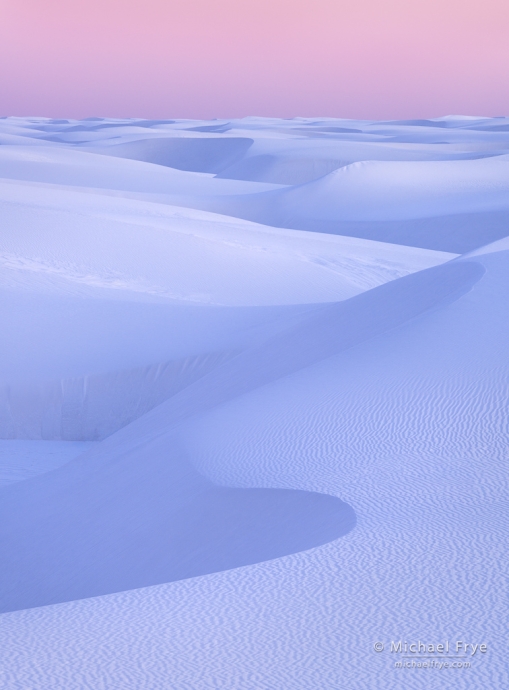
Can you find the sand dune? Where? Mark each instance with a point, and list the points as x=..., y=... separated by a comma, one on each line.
x=148, y=523
x=20, y=460
x=198, y=154
x=123, y=549
x=79, y=168
x=114, y=304
x=253, y=401
x=444, y=205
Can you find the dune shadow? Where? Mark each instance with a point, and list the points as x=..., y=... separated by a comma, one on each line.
x=229, y=528
x=205, y=154
x=79, y=532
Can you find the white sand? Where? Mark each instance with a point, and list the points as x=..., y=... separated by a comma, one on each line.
x=245, y=437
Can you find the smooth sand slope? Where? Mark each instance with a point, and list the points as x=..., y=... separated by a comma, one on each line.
x=156, y=478
x=236, y=455
x=111, y=305
x=20, y=460
x=451, y=206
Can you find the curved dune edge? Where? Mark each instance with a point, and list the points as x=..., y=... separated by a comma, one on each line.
x=135, y=529
x=134, y=512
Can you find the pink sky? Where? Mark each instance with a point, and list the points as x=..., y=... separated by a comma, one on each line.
x=371, y=59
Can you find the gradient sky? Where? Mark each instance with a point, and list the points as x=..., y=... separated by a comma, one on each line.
x=370, y=59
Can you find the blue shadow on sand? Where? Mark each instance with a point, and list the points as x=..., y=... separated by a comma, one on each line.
x=75, y=533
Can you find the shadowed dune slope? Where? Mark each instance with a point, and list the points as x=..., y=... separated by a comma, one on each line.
x=133, y=512
x=111, y=305
x=453, y=206
x=457, y=233
x=146, y=518
x=194, y=154
x=325, y=332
